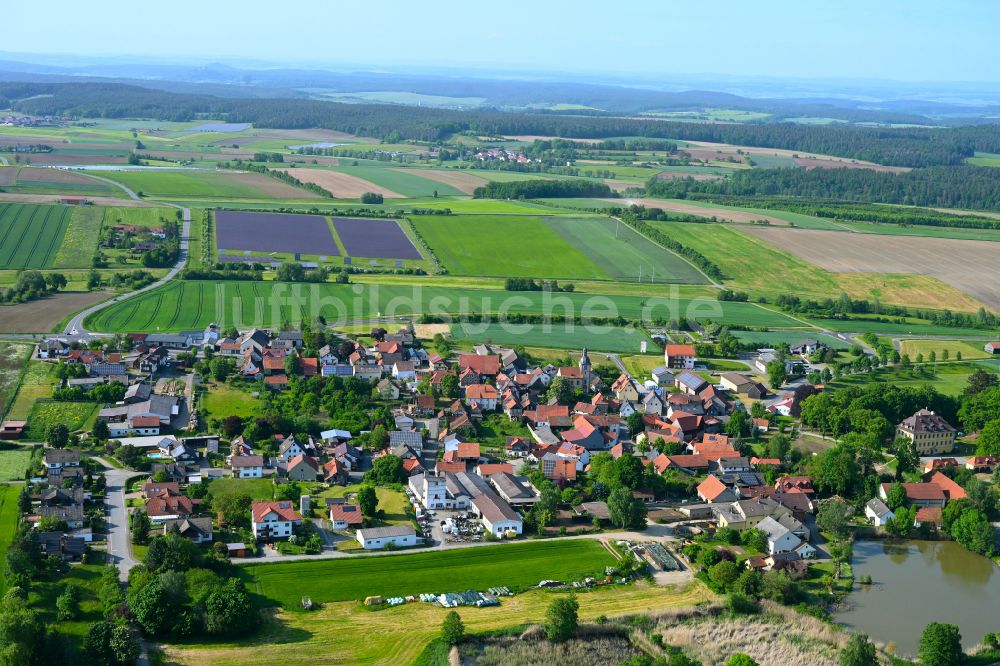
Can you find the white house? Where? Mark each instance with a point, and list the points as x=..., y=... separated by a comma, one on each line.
x=878, y=512
x=431, y=491
x=484, y=395
x=404, y=371
x=398, y=536
x=497, y=516
x=274, y=520
x=779, y=538
x=290, y=449
x=247, y=467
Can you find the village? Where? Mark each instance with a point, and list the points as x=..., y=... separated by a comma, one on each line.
x=670, y=464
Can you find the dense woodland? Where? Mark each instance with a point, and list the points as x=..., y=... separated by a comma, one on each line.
x=947, y=187
x=915, y=147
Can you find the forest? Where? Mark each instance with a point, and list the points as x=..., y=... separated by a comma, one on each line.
x=971, y=187
x=910, y=146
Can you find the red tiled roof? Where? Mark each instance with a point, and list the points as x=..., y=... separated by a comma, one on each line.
x=145, y=421
x=495, y=468
x=920, y=491
x=346, y=513
x=309, y=366
x=929, y=514
x=952, y=490
x=680, y=350
x=168, y=503
x=481, y=392
x=481, y=365
x=411, y=464
x=711, y=488
x=284, y=509
x=688, y=461
x=468, y=450
x=448, y=466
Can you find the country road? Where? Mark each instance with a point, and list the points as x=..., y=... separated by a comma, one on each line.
x=119, y=537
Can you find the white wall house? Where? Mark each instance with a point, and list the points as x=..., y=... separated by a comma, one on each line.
x=376, y=538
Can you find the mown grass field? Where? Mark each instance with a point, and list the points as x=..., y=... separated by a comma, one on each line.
x=258, y=489
x=347, y=633
x=185, y=305
x=969, y=350
x=14, y=461
x=81, y=238
x=223, y=400
x=504, y=246
x=46, y=413
x=30, y=234
x=518, y=566
x=623, y=253
x=556, y=336
x=770, y=338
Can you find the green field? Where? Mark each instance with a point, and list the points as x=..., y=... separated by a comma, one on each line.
x=13, y=356
x=47, y=413
x=747, y=262
x=223, y=400
x=623, y=253
x=558, y=336
x=8, y=521
x=771, y=338
x=81, y=238
x=985, y=160
x=503, y=246
x=892, y=328
x=186, y=184
x=258, y=489
x=969, y=350
x=401, y=182
x=918, y=230
x=185, y=305
x=517, y=566
x=14, y=462
x=948, y=378
x=37, y=383
x=30, y=234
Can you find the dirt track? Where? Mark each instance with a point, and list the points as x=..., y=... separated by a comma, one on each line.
x=968, y=265
x=343, y=186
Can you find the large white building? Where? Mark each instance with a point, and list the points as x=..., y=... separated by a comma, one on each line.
x=274, y=520
x=398, y=536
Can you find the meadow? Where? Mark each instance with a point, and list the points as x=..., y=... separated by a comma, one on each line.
x=348, y=633
x=503, y=246
x=47, y=413
x=948, y=378
x=623, y=253
x=81, y=238
x=222, y=400
x=37, y=383
x=13, y=356
x=557, y=336
x=517, y=566
x=184, y=305
x=9, y=516
x=258, y=489
x=771, y=338
x=14, y=461
x=30, y=234
x=969, y=350
x=908, y=327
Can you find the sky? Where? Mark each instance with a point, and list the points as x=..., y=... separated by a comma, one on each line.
x=903, y=40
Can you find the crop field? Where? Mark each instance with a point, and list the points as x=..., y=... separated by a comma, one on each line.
x=559, y=335
x=81, y=238
x=736, y=214
x=517, y=566
x=183, y=305
x=403, y=181
x=968, y=265
x=462, y=181
x=341, y=185
x=916, y=230
x=273, y=232
x=44, y=314
x=37, y=383
x=623, y=253
x=968, y=350
x=503, y=246
x=771, y=338
x=203, y=184
x=379, y=239
x=63, y=182
x=985, y=160
x=13, y=356
x=893, y=328
x=47, y=413
x=30, y=235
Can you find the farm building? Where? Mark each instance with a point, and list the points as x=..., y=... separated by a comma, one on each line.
x=398, y=536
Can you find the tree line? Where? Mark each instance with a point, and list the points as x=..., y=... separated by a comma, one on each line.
x=539, y=189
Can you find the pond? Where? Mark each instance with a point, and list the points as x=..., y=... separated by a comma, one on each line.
x=918, y=582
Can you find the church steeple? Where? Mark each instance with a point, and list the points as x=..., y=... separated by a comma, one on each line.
x=585, y=367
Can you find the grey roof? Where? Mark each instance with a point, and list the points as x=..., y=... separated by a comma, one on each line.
x=140, y=391
x=691, y=380
x=167, y=338
x=463, y=483
x=291, y=335
x=383, y=532
x=410, y=438
x=158, y=405
x=597, y=509
x=493, y=508
x=514, y=487
x=763, y=506
x=190, y=525
x=62, y=456
x=878, y=507
x=86, y=381
x=70, y=512
x=772, y=528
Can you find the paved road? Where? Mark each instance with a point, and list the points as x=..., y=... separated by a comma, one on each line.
x=119, y=539
x=75, y=328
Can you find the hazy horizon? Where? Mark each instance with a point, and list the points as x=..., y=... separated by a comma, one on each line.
x=855, y=41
